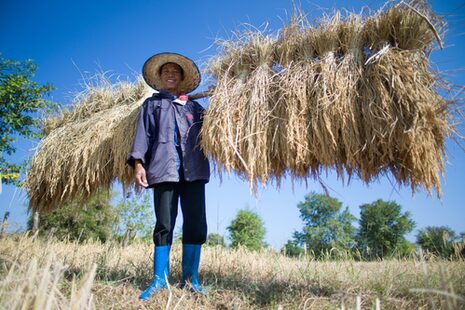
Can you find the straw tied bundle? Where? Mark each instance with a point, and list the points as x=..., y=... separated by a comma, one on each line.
x=86, y=148
x=351, y=94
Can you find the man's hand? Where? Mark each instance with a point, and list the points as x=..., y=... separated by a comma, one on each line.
x=141, y=178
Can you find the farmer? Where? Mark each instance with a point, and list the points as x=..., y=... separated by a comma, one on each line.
x=166, y=157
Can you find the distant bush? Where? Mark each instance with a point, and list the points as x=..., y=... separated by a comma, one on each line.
x=247, y=230
x=76, y=221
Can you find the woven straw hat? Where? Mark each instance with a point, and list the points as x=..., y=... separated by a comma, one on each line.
x=151, y=71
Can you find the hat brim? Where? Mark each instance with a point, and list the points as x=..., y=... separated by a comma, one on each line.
x=151, y=71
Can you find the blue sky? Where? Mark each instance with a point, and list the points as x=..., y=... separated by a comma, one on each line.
x=69, y=39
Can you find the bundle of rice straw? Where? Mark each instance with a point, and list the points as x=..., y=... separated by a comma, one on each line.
x=245, y=129
x=354, y=94
x=86, y=147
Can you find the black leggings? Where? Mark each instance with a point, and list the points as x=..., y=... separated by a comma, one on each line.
x=166, y=196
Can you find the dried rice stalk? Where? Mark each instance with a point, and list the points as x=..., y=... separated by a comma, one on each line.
x=295, y=80
x=290, y=45
x=352, y=94
x=324, y=95
x=294, y=141
x=406, y=120
x=345, y=120
x=402, y=27
x=236, y=129
x=87, y=149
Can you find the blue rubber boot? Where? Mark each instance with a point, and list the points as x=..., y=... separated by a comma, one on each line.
x=160, y=271
x=190, y=267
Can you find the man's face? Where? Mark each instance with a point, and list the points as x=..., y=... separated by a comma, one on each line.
x=171, y=76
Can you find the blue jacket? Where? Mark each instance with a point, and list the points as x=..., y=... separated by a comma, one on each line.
x=154, y=140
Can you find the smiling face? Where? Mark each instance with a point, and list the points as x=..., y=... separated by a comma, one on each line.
x=171, y=76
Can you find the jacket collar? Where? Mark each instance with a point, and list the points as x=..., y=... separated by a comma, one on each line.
x=163, y=94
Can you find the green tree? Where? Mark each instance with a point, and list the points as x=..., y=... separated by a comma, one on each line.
x=327, y=226
x=247, y=230
x=292, y=249
x=20, y=101
x=76, y=221
x=439, y=241
x=215, y=239
x=382, y=229
x=135, y=217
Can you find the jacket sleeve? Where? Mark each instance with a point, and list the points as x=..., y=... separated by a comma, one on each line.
x=140, y=143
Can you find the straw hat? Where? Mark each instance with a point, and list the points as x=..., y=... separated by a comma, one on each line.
x=151, y=71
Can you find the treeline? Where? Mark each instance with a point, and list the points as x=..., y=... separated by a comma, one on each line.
x=329, y=230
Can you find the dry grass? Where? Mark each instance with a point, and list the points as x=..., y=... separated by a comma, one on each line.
x=86, y=147
x=36, y=271
x=351, y=93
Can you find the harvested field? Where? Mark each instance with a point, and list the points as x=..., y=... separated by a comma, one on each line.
x=92, y=275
